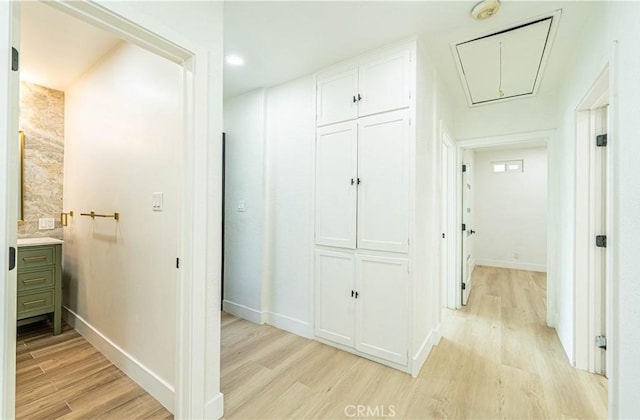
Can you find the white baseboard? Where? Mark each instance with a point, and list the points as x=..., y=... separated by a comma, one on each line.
x=159, y=389
x=214, y=408
x=423, y=352
x=292, y=325
x=516, y=265
x=244, y=312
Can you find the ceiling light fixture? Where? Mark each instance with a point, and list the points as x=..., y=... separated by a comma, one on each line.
x=235, y=60
x=485, y=9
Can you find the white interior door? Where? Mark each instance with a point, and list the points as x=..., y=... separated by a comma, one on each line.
x=10, y=82
x=382, y=307
x=467, y=231
x=337, y=97
x=336, y=184
x=335, y=294
x=383, y=193
x=600, y=120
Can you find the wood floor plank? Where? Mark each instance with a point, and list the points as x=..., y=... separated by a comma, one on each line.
x=497, y=359
x=65, y=377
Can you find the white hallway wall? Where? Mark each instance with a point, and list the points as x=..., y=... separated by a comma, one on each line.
x=618, y=22
x=244, y=125
x=511, y=210
x=268, y=266
x=122, y=143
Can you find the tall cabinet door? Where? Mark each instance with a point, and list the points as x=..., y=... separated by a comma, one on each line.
x=382, y=307
x=336, y=187
x=335, y=286
x=336, y=97
x=384, y=84
x=383, y=193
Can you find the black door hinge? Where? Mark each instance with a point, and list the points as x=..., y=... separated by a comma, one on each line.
x=464, y=286
x=177, y=262
x=601, y=342
x=15, y=59
x=464, y=168
x=464, y=227
x=601, y=241
x=601, y=140
x=12, y=258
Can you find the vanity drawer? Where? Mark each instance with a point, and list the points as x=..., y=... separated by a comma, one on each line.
x=35, y=304
x=36, y=279
x=35, y=257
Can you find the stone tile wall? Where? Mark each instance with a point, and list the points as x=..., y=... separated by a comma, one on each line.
x=42, y=120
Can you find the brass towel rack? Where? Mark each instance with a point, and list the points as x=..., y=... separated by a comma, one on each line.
x=93, y=215
x=64, y=218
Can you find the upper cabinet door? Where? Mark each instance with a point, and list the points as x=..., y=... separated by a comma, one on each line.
x=384, y=84
x=337, y=97
x=383, y=192
x=336, y=185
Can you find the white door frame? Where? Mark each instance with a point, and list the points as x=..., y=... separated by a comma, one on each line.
x=9, y=80
x=588, y=294
x=198, y=317
x=451, y=273
x=533, y=137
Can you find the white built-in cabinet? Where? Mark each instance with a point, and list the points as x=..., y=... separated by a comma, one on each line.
x=377, y=85
x=363, y=194
x=363, y=303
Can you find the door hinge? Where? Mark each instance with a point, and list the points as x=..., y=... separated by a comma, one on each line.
x=601, y=140
x=177, y=262
x=601, y=342
x=464, y=286
x=12, y=258
x=464, y=168
x=15, y=59
x=601, y=241
x=464, y=227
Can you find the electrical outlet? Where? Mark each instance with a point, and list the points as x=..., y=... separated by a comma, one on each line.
x=516, y=255
x=46, y=223
x=242, y=205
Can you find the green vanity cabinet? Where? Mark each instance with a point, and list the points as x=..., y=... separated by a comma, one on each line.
x=40, y=283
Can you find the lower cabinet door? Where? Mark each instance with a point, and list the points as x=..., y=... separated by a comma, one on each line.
x=382, y=307
x=335, y=278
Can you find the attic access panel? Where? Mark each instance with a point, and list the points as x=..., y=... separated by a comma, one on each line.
x=510, y=61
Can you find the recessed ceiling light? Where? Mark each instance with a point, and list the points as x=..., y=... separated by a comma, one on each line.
x=485, y=9
x=235, y=60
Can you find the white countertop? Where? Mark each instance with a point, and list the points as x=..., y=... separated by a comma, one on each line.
x=38, y=241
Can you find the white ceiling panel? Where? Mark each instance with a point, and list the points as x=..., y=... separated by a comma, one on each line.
x=505, y=64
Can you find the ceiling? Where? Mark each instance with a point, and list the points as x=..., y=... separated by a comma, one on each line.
x=281, y=41
x=55, y=48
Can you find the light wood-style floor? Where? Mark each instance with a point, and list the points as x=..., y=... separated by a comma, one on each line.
x=64, y=376
x=497, y=359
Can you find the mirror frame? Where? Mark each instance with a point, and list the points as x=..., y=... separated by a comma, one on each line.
x=21, y=178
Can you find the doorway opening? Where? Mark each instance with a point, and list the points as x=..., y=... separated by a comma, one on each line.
x=188, y=300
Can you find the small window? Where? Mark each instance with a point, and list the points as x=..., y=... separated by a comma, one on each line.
x=507, y=166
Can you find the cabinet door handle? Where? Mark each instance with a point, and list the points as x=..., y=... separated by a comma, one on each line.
x=353, y=181
x=38, y=280
x=359, y=97
x=354, y=99
x=38, y=258
x=33, y=302
x=352, y=293
x=357, y=295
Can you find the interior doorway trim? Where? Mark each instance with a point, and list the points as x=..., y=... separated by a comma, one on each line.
x=198, y=318
x=534, y=137
x=449, y=274
x=589, y=286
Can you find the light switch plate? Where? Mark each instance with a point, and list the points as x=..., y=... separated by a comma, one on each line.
x=46, y=223
x=157, y=201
